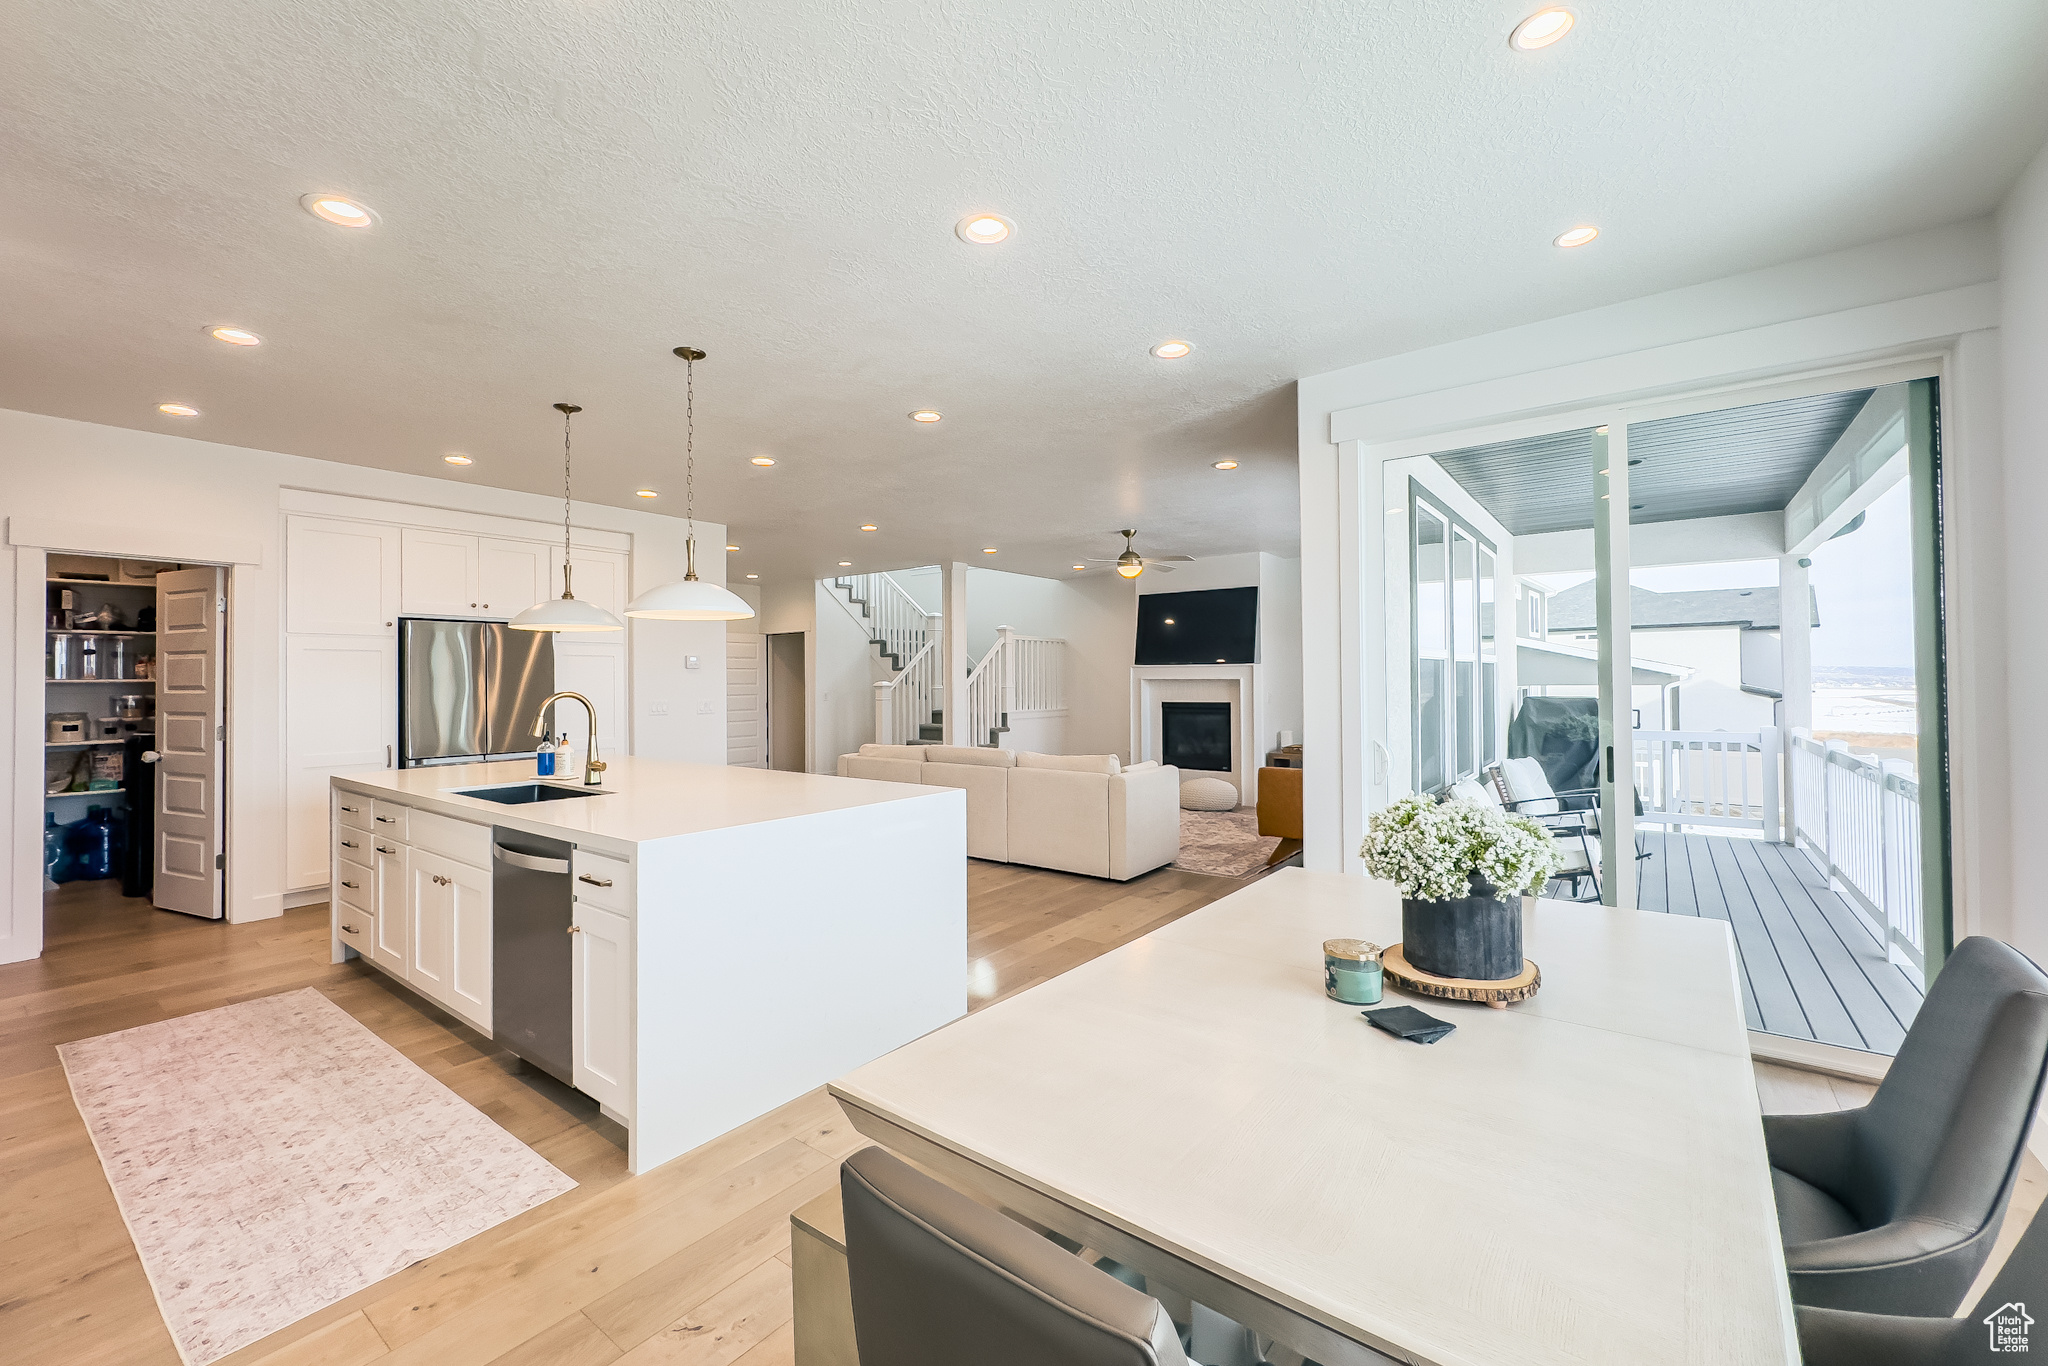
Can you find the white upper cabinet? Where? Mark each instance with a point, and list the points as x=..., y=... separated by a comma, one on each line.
x=511, y=576
x=600, y=579
x=341, y=578
x=439, y=575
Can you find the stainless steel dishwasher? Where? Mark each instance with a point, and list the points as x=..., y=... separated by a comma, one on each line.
x=531, y=911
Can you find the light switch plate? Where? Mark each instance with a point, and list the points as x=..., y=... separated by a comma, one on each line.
x=691, y=661
x=658, y=709
x=705, y=709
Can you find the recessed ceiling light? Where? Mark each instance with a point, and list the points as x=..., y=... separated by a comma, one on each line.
x=846, y=564
x=1169, y=621
x=458, y=460
x=1576, y=237
x=234, y=336
x=926, y=415
x=177, y=409
x=732, y=547
x=1172, y=350
x=1542, y=28
x=988, y=550
x=984, y=229
x=867, y=526
x=645, y=493
x=1079, y=566
x=763, y=460
x=338, y=210
x=753, y=576
x=1225, y=465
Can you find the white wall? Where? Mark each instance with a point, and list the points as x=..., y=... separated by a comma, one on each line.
x=148, y=494
x=2023, y=489
x=1929, y=303
x=842, y=668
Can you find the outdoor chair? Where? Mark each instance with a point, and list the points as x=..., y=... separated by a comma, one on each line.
x=1892, y=1208
x=1572, y=817
x=1997, y=1323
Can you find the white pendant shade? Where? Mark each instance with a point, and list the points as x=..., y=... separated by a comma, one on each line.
x=566, y=614
x=690, y=600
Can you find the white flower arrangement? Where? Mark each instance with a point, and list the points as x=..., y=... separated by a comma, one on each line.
x=1432, y=848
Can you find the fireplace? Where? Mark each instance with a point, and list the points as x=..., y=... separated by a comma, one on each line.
x=1195, y=735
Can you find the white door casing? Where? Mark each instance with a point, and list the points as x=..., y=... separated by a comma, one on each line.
x=190, y=740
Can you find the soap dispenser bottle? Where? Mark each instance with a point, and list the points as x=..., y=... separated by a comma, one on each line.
x=544, y=762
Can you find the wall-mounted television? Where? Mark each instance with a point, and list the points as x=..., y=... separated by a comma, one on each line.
x=1216, y=626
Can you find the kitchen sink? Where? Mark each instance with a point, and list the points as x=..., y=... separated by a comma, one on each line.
x=523, y=794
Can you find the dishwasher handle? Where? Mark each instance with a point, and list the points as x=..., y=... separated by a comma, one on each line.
x=531, y=862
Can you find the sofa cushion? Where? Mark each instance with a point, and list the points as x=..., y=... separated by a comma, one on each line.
x=1059, y=819
x=1141, y=768
x=886, y=770
x=964, y=754
x=914, y=753
x=988, y=805
x=1106, y=764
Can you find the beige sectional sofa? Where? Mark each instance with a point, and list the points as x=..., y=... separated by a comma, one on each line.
x=1079, y=813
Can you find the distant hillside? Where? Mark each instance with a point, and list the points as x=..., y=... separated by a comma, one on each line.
x=1862, y=676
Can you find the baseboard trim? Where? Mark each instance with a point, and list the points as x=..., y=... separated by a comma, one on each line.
x=1851, y=1064
x=305, y=896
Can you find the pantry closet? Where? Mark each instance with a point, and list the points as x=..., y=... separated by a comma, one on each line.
x=134, y=730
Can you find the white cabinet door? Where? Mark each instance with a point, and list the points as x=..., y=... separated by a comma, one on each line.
x=599, y=673
x=394, y=913
x=430, y=946
x=341, y=578
x=600, y=578
x=469, y=933
x=511, y=576
x=438, y=574
x=602, y=988
x=341, y=717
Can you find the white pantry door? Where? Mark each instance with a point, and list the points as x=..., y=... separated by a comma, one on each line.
x=190, y=737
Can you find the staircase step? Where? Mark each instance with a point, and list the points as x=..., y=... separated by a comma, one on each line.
x=935, y=734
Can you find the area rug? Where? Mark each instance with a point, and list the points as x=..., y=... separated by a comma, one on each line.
x=1223, y=843
x=275, y=1156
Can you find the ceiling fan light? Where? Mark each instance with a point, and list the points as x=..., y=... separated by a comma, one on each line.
x=1130, y=569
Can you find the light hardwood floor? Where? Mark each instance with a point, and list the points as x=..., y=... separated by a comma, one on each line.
x=687, y=1264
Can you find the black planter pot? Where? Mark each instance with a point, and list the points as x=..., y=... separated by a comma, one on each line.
x=1476, y=937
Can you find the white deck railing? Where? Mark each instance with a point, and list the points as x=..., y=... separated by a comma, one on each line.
x=893, y=618
x=1020, y=675
x=1861, y=817
x=1727, y=779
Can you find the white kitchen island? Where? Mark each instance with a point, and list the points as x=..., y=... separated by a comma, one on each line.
x=737, y=936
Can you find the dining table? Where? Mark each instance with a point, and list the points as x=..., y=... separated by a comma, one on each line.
x=1578, y=1177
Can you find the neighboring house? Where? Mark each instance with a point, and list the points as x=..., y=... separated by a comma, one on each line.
x=1728, y=637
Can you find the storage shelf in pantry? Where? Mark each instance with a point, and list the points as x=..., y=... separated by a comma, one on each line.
x=104, y=583
x=103, y=794
x=93, y=744
x=70, y=631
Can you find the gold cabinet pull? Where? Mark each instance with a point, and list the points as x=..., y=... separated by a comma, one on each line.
x=388, y=820
x=575, y=929
x=594, y=881
x=350, y=929
x=352, y=810
x=350, y=885
x=350, y=844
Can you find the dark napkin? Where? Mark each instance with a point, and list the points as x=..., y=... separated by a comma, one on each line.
x=1406, y=1022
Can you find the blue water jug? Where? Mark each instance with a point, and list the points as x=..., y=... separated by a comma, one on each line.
x=53, y=847
x=91, y=846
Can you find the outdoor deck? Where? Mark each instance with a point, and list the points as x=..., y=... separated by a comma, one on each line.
x=1810, y=969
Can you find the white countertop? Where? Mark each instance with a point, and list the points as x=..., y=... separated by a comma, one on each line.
x=644, y=799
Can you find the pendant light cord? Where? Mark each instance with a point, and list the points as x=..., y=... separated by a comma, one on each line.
x=568, y=568
x=691, y=355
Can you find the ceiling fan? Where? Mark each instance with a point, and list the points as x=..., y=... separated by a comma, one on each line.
x=1130, y=564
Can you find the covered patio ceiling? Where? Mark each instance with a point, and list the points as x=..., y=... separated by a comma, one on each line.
x=1716, y=464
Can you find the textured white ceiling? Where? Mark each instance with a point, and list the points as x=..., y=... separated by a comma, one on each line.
x=569, y=188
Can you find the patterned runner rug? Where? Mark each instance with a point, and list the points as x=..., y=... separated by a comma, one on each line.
x=275, y=1156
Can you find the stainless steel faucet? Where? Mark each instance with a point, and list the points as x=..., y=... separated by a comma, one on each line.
x=593, y=767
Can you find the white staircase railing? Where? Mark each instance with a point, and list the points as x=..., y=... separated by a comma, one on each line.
x=894, y=620
x=1020, y=675
x=910, y=700
x=1861, y=816
x=1709, y=778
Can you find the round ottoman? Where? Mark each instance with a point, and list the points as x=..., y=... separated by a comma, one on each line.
x=1207, y=794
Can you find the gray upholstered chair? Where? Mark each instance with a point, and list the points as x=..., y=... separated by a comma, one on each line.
x=1892, y=1208
x=939, y=1280
x=1839, y=1337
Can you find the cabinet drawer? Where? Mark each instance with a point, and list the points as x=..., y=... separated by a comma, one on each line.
x=602, y=881
x=353, y=812
x=390, y=821
x=355, y=927
x=353, y=844
x=355, y=885
x=459, y=840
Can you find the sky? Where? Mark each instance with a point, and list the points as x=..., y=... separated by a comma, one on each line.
x=1863, y=581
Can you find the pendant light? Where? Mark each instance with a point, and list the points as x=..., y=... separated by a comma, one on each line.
x=690, y=598
x=568, y=612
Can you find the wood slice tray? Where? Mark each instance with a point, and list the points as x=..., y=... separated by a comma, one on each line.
x=1520, y=987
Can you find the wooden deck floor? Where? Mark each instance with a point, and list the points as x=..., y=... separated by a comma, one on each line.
x=1810, y=967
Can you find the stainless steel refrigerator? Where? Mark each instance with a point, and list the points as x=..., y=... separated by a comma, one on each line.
x=469, y=690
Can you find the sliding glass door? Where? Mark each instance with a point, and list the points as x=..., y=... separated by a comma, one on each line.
x=1454, y=672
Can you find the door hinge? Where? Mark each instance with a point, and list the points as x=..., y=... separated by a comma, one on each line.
x=220, y=604
x=220, y=732
x=220, y=860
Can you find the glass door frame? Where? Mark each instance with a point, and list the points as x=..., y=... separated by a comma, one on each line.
x=1463, y=715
